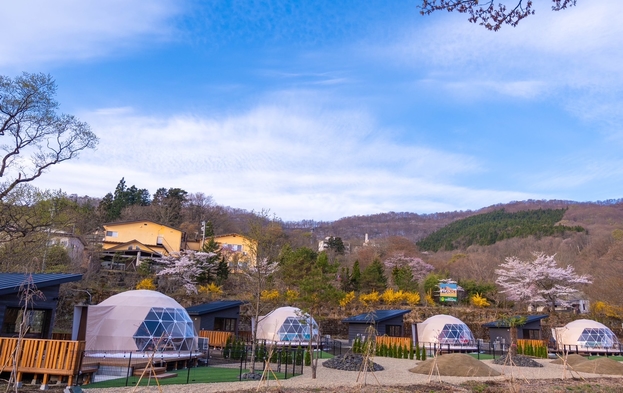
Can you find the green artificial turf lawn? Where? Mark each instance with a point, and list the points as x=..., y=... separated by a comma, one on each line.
x=197, y=375
x=483, y=356
x=617, y=358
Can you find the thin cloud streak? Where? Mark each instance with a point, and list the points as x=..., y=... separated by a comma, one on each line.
x=277, y=157
x=67, y=30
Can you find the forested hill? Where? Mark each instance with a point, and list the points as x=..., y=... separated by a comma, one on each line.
x=414, y=226
x=489, y=228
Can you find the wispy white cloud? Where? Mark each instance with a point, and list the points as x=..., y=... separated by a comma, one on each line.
x=574, y=48
x=300, y=162
x=40, y=31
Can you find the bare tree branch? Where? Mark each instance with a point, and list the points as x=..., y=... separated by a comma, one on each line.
x=487, y=13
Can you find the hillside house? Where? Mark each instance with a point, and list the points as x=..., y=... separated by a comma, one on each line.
x=238, y=250
x=73, y=244
x=127, y=242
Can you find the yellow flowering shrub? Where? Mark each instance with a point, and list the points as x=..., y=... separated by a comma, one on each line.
x=392, y=297
x=429, y=298
x=479, y=301
x=269, y=295
x=412, y=298
x=347, y=299
x=146, y=283
x=606, y=309
x=291, y=295
x=211, y=288
x=370, y=298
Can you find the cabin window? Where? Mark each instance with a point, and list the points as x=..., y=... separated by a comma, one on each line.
x=36, y=321
x=112, y=234
x=393, y=330
x=225, y=324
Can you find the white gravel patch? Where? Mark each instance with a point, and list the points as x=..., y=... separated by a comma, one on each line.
x=396, y=373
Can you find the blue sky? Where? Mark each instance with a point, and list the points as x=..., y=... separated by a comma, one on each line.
x=320, y=110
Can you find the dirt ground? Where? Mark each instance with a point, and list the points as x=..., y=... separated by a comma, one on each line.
x=600, y=385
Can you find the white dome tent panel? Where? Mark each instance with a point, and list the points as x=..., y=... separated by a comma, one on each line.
x=586, y=335
x=287, y=324
x=139, y=320
x=445, y=330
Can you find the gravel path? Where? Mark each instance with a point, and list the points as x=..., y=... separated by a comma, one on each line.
x=396, y=373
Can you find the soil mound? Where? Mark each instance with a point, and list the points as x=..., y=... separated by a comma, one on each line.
x=456, y=365
x=604, y=366
x=572, y=360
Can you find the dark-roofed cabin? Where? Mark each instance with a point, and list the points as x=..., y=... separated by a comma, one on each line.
x=221, y=315
x=42, y=314
x=386, y=322
x=531, y=329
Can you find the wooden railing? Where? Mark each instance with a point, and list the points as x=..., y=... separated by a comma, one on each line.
x=42, y=357
x=216, y=339
x=404, y=342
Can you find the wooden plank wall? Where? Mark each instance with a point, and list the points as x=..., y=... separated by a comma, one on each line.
x=404, y=342
x=216, y=339
x=42, y=357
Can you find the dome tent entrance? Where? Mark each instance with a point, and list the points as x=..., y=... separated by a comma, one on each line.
x=139, y=320
x=287, y=325
x=585, y=335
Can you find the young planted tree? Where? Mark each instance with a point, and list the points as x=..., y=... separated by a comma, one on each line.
x=316, y=291
x=267, y=240
x=539, y=282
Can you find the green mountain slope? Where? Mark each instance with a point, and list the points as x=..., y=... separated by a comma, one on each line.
x=489, y=228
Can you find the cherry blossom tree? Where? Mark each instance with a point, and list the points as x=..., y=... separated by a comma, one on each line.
x=187, y=266
x=407, y=270
x=489, y=14
x=539, y=282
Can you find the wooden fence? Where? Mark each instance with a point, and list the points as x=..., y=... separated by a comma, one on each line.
x=404, y=342
x=216, y=339
x=42, y=358
x=537, y=348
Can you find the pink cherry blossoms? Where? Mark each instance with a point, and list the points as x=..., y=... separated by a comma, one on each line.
x=539, y=282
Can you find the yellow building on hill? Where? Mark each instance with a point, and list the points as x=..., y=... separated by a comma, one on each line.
x=239, y=251
x=141, y=238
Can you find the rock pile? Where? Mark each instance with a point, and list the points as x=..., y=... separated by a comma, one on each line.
x=517, y=360
x=251, y=376
x=351, y=362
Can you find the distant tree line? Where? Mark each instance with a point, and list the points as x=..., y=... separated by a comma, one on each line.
x=489, y=228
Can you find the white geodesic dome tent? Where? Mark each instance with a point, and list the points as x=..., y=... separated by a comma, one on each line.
x=586, y=335
x=139, y=320
x=286, y=324
x=445, y=330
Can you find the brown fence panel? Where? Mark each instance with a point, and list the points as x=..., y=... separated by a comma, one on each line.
x=216, y=339
x=42, y=357
x=404, y=342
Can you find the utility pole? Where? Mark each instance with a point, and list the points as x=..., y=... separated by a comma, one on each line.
x=47, y=242
x=203, y=233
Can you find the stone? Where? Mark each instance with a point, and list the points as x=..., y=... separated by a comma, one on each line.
x=351, y=362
